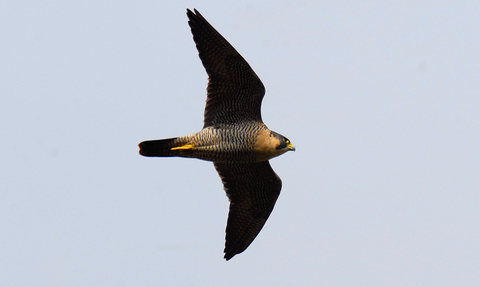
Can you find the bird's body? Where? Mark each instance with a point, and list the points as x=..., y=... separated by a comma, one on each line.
x=234, y=137
x=228, y=144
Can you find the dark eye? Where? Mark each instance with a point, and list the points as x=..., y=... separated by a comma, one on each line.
x=286, y=140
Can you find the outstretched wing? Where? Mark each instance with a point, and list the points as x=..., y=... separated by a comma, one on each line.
x=252, y=190
x=234, y=91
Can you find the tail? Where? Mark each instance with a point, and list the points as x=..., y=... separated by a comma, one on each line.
x=166, y=147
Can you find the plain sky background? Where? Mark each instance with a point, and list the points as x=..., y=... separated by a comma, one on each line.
x=380, y=98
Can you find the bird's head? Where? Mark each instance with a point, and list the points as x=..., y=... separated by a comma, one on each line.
x=270, y=144
x=284, y=143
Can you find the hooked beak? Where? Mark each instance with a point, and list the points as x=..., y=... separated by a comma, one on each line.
x=291, y=147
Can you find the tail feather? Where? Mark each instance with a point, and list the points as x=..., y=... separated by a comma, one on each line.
x=159, y=147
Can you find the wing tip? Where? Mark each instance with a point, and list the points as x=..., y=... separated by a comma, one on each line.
x=229, y=254
x=193, y=14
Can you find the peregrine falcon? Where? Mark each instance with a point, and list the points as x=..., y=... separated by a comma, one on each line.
x=233, y=137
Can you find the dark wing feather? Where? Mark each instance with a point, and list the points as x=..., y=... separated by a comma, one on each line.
x=252, y=190
x=234, y=91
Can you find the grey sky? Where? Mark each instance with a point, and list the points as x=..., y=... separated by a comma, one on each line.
x=381, y=101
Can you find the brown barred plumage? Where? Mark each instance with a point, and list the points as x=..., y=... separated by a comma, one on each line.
x=234, y=137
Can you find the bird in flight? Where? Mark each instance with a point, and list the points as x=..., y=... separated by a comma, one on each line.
x=233, y=137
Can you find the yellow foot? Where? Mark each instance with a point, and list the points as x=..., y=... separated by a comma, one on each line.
x=183, y=147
